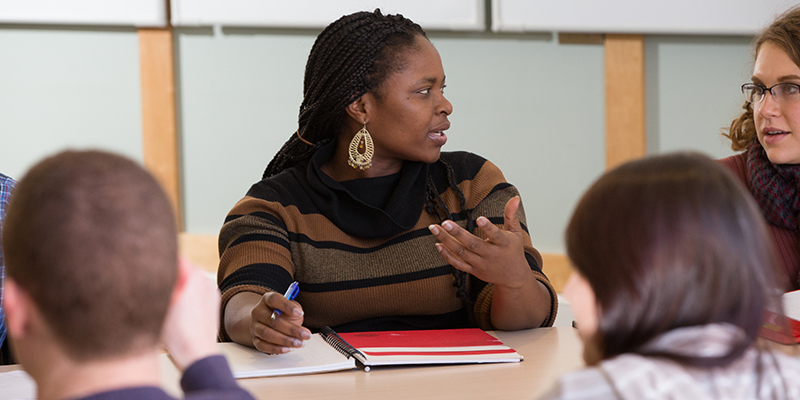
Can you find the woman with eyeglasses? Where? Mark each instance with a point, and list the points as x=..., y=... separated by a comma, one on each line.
x=769, y=133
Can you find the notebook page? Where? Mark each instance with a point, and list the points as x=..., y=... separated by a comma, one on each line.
x=17, y=385
x=314, y=357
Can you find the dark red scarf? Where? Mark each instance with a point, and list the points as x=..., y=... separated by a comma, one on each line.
x=774, y=186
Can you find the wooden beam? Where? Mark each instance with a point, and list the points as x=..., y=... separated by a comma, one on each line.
x=625, y=101
x=201, y=249
x=557, y=268
x=159, y=126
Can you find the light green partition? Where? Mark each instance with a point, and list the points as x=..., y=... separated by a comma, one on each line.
x=693, y=91
x=67, y=88
x=240, y=94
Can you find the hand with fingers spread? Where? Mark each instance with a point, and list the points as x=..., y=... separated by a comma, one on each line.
x=271, y=335
x=499, y=259
x=519, y=301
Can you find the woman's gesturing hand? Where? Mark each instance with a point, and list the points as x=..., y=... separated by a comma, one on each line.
x=498, y=259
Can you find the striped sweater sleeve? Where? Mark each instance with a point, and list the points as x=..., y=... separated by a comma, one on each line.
x=255, y=251
x=488, y=193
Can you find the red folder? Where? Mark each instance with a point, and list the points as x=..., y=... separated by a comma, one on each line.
x=445, y=346
x=779, y=328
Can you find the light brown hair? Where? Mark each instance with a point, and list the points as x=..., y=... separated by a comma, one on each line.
x=784, y=32
x=668, y=242
x=92, y=238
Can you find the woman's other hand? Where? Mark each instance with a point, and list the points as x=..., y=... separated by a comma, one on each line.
x=519, y=300
x=248, y=321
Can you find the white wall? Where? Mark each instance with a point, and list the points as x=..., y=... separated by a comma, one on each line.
x=718, y=17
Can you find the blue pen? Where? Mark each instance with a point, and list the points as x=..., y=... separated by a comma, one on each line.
x=290, y=294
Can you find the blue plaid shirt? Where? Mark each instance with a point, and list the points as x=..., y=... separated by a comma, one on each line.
x=6, y=184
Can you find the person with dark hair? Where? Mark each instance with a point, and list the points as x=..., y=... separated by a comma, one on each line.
x=670, y=285
x=6, y=185
x=768, y=133
x=94, y=280
x=381, y=229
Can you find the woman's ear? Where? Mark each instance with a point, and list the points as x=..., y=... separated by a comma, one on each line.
x=359, y=109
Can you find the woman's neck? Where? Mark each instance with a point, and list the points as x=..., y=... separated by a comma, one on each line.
x=338, y=168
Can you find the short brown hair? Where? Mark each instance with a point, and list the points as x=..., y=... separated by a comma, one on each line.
x=667, y=242
x=91, y=237
x=784, y=32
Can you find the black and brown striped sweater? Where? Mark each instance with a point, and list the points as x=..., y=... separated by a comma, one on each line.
x=361, y=250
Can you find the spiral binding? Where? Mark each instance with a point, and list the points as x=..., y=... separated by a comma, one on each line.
x=336, y=341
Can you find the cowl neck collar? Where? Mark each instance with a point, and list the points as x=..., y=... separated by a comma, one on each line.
x=357, y=218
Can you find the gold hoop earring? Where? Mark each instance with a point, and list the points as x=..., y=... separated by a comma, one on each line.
x=357, y=159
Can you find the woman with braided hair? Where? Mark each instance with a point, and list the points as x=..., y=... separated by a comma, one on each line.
x=381, y=229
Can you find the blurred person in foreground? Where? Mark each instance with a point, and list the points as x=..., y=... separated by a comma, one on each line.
x=93, y=279
x=673, y=272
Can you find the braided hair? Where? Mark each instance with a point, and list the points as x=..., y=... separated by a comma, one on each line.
x=432, y=201
x=352, y=56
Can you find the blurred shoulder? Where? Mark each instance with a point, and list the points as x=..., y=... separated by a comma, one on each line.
x=6, y=181
x=6, y=185
x=736, y=163
x=589, y=383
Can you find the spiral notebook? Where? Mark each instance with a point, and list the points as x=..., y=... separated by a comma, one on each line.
x=328, y=351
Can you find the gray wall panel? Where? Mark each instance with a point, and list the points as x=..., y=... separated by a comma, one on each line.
x=64, y=88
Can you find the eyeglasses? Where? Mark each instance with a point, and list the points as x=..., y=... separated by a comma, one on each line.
x=781, y=92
